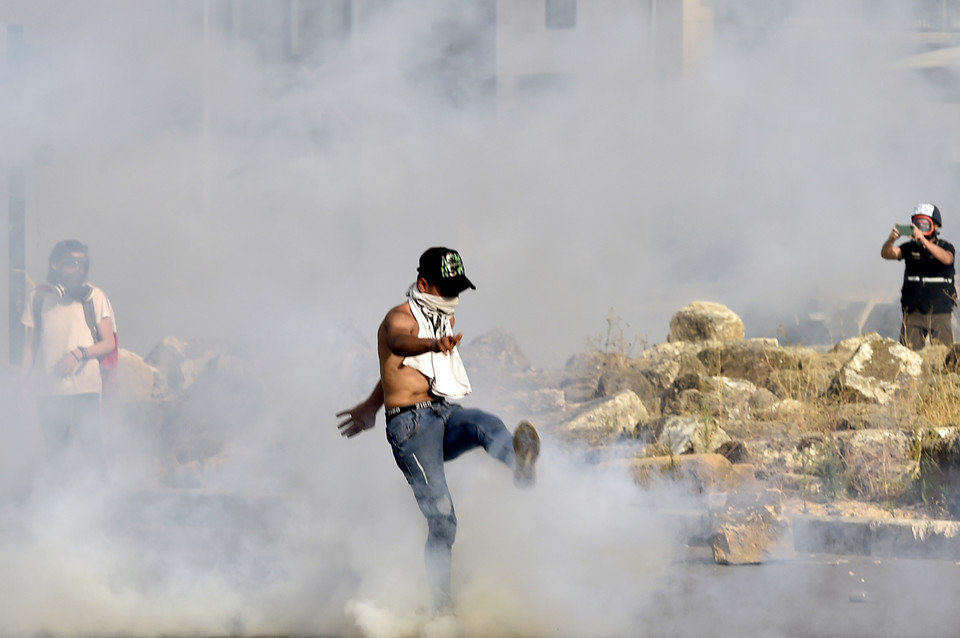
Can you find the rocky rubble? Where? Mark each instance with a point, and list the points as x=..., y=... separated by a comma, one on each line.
x=757, y=429
x=192, y=397
x=865, y=426
x=866, y=418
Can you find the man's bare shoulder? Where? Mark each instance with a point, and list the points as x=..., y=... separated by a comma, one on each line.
x=400, y=312
x=399, y=317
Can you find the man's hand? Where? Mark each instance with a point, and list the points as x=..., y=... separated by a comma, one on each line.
x=888, y=250
x=67, y=365
x=445, y=345
x=359, y=418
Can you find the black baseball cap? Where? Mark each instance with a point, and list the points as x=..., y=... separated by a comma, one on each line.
x=443, y=268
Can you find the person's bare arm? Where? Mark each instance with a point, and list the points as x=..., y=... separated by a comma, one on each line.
x=401, y=331
x=71, y=360
x=889, y=251
x=106, y=344
x=362, y=416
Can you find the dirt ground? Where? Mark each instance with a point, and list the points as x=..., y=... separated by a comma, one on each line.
x=853, y=509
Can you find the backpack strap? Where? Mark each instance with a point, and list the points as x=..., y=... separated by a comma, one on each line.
x=88, y=314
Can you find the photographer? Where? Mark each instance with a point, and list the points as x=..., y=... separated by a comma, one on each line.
x=928, y=295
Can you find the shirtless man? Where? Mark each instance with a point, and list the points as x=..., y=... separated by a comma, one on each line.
x=420, y=371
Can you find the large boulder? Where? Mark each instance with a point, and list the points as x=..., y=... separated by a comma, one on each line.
x=717, y=397
x=664, y=362
x=705, y=472
x=628, y=374
x=603, y=420
x=137, y=380
x=754, y=359
x=879, y=370
x=580, y=376
x=690, y=394
x=751, y=529
x=705, y=321
x=681, y=434
x=180, y=362
x=166, y=357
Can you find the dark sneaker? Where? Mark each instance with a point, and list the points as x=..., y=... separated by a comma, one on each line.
x=526, y=446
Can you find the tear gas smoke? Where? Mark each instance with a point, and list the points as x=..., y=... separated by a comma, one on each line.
x=226, y=193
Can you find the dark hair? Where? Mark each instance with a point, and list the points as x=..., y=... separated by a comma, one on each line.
x=61, y=250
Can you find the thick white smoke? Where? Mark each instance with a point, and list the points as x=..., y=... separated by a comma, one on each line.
x=282, y=207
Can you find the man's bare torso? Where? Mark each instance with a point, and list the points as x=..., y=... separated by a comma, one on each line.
x=402, y=385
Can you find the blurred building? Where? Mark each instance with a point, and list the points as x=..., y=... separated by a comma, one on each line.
x=503, y=48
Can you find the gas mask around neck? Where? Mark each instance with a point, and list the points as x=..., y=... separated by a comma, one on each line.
x=73, y=285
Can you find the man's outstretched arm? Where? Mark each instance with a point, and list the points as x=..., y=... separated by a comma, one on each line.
x=888, y=250
x=400, y=332
x=362, y=416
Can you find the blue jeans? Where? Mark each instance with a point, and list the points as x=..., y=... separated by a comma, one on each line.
x=422, y=440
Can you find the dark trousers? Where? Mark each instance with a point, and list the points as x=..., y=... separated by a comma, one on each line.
x=66, y=419
x=918, y=326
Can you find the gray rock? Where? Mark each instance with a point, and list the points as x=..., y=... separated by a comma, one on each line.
x=627, y=374
x=138, y=381
x=751, y=535
x=877, y=371
x=167, y=357
x=686, y=435
x=705, y=321
x=604, y=420
x=664, y=363
x=580, y=377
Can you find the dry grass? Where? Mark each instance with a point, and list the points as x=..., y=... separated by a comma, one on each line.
x=614, y=344
x=939, y=401
x=886, y=468
x=878, y=471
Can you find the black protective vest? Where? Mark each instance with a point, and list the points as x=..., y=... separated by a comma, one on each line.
x=928, y=284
